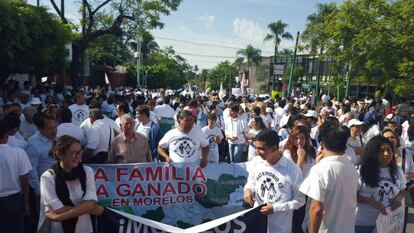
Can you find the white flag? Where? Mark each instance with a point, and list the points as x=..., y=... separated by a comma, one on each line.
x=108, y=93
x=221, y=92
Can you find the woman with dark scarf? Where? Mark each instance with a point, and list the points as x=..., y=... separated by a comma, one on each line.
x=68, y=193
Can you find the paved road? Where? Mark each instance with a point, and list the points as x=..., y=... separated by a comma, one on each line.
x=410, y=220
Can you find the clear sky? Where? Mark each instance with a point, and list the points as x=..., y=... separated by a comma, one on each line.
x=207, y=32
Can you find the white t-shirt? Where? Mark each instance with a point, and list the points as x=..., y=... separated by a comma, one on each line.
x=71, y=130
x=184, y=147
x=409, y=163
x=143, y=129
x=372, y=132
x=13, y=164
x=276, y=184
x=213, y=154
x=79, y=113
x=99, y=136
x=16, y=142
x=385, y=192
x=334, y=182
x=252, y=146
x=307, y=164
x=49, y=198
x=164, y=111
x=235, y=127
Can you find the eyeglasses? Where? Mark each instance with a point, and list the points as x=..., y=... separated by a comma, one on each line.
x=76, y=153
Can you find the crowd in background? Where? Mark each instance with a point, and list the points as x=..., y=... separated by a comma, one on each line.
x=49, y=131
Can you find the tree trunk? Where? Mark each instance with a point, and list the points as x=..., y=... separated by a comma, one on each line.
x=76, y=66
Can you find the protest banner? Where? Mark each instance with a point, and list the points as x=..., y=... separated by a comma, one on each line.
x=246, y=221
x=166, y=124
x=393, y=222
x=177, y=194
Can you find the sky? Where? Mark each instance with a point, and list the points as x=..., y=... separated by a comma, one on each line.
x=207, y=32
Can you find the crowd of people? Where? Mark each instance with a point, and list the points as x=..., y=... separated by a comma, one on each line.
x=328, y=165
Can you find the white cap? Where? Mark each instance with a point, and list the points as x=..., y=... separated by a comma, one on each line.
x=354, y=122
x=35, y=101
x=311, y=113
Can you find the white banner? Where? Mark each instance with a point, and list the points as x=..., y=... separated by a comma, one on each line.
x=393, y=222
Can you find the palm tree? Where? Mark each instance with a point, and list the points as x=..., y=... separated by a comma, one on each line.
x=252, y=56
x=277, y=33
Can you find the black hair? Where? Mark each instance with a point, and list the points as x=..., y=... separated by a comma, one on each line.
x=12, y=119
x=235, y=107
x=335, y=138
x=183, y=114
x=66, y=115
x=16, y=105
x=124, y=107
x=370, y=168
x=143, y=109
x=256, y=110
x=326, y=126
x=212, y=116
x=40, y=118
x=268, y=136
x=260, y=122
x=4, y=129
x=391, y=131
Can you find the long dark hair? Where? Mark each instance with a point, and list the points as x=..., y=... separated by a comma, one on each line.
x=370, y=169
x=290, y=144
x=259, y=121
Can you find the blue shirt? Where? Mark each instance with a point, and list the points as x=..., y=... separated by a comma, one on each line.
x=38, y=147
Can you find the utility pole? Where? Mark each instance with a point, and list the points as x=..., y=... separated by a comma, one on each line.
x=82, y=58
x=292, y=69
x=62, y=8
x=138, y=54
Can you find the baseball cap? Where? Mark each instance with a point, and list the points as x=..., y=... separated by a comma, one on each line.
x=354, y=122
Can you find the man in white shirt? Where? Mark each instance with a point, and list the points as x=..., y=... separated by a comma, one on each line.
x=66, y=127
x=15, y=139
x=80, y=111
x=332, y=184
x=164, y=110
x=235, y=128
x=185, y=142
x=14, y=184
x=27, y=126
x=355, y=140
x=99, y=138
x=275, y=182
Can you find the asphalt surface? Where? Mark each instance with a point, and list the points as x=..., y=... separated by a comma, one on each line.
x=410, y=221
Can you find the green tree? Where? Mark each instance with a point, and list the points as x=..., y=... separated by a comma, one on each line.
x=315, y=36
x=277, y=33
x=223, y=73
x=117, y=18
x=252, y=55
x=31, y=40
x=166, y=69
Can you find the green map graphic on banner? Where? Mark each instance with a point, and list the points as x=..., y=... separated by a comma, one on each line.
x=166, y=124
x=178, y=194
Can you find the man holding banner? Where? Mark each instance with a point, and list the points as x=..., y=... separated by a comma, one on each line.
x=274, y=181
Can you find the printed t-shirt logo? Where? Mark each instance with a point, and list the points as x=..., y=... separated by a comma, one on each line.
x=79, y=115
x=184, y=147
x=269, y=187
x=212, y=143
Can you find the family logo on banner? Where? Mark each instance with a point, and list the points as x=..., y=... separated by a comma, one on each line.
x=393, y=222
x=247, y=221
x=177, y=194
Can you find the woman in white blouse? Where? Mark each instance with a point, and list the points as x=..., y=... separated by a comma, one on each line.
x=68, y=193
x=299, y=149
